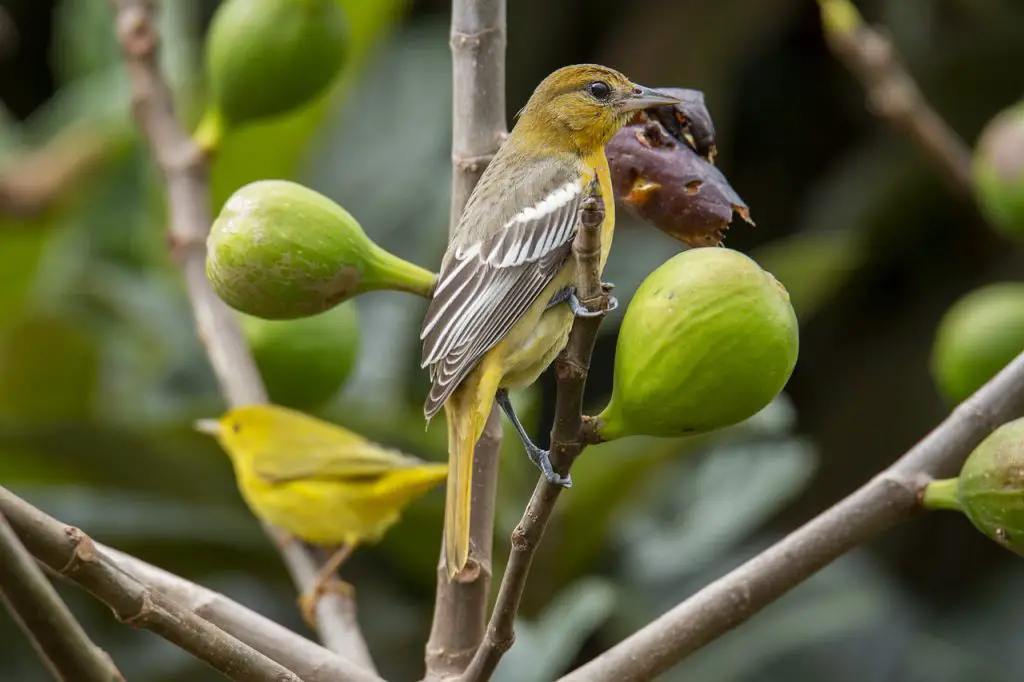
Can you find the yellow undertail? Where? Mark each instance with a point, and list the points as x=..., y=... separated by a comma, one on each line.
x=466, y=412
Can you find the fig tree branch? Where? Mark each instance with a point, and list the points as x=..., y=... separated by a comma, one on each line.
x=71, y=554
x=478, y=127
x=891, y=92
x=185, y=174
x=308, y=660
x=57, y=637
x=567, y=441
x=892, y=496
x=35, y=181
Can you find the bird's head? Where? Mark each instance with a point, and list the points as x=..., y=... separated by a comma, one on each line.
x=582, y=106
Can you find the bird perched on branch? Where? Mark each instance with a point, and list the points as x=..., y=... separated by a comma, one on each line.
x=505, y=296
x=319, y=482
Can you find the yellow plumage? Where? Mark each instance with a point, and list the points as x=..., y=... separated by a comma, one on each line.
x=317, y=481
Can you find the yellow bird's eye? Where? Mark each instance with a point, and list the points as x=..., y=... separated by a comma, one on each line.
x=599, y=90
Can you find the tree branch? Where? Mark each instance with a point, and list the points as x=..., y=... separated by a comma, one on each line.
x=70, y=553
x=892, y=496
x=478, y=128
x=57, y=637
x=308, y=660
x=892, y=93
x=567, y=442
x=185, y=175
x=37, y=180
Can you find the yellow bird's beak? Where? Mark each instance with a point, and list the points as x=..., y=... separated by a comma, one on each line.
x=207, y=426
x=645, y=98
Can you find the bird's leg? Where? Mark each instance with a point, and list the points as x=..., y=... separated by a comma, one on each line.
x=538, y=456
x=568, y=295
x=326, y=582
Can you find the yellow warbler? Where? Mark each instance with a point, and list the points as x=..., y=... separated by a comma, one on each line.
x=318, y=481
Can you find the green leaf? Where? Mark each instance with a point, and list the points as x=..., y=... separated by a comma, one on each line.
x=731, y=491
x=813, y=266
x=49, y=369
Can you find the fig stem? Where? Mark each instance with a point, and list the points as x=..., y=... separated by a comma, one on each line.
x=210, y=132
x=942, y=494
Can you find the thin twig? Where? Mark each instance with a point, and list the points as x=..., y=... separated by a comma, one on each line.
x=185, y=173
x=889, y=498
x=891, y=91
x=478, y=128
x=308, y=660
x=566, y=443
x=58, y=638
x=70, y=553
x=35, y=181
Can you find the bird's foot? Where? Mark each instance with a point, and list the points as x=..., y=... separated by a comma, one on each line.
x=324, y=585
x=568, y=296
x=543, y=461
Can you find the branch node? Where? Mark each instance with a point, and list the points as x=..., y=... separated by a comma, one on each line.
x=472, y=164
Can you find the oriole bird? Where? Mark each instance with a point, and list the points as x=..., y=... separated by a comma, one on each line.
x=505, y=296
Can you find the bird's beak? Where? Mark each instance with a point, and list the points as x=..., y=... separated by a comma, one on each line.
x=208, y=426
x=645, y=98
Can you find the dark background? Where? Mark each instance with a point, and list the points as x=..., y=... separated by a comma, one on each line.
x=101, y=374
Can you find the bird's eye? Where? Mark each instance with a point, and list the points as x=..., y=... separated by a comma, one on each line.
x=599, y=90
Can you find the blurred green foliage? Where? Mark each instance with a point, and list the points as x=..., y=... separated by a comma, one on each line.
x=101, y=373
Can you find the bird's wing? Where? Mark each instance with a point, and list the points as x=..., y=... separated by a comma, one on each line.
x=296, y=447
x=486, y=284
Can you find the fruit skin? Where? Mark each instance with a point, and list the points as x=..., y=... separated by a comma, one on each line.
x=305, y=362
x=280, y=251
x=265, y=58
x=998, y=171
x=977, y=337
x=991, y=486
x=708, y=340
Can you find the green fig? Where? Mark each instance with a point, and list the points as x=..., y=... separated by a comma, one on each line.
x=978, y=336
x=281, y=251
x=265, y=58
x=708, y=340
x=991, y=486
x=305, y=362
x=998, y=171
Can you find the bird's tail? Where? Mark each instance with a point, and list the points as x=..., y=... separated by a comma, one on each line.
x=466, y=411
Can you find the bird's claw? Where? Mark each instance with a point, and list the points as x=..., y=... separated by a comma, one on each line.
x=568, y=296
x=308, y=600
x=543, y=461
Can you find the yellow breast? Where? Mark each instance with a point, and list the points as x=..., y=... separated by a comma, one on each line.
x=537, y=339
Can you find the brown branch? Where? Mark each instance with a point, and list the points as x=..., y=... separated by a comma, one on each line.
x=889, y=498
x=185, y=173
x=57, y=637
x=70, y=553
x=478, y=128
x=891, y=91
x=35, y=181
x=308, y=660
x=567, y=442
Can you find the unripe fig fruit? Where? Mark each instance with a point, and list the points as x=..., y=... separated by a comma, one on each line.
x=305, y=362
x=978, y=336
x=265, y=58
x=708, y=340
x=998, y=171
x=991, y=486
x=280, y=251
